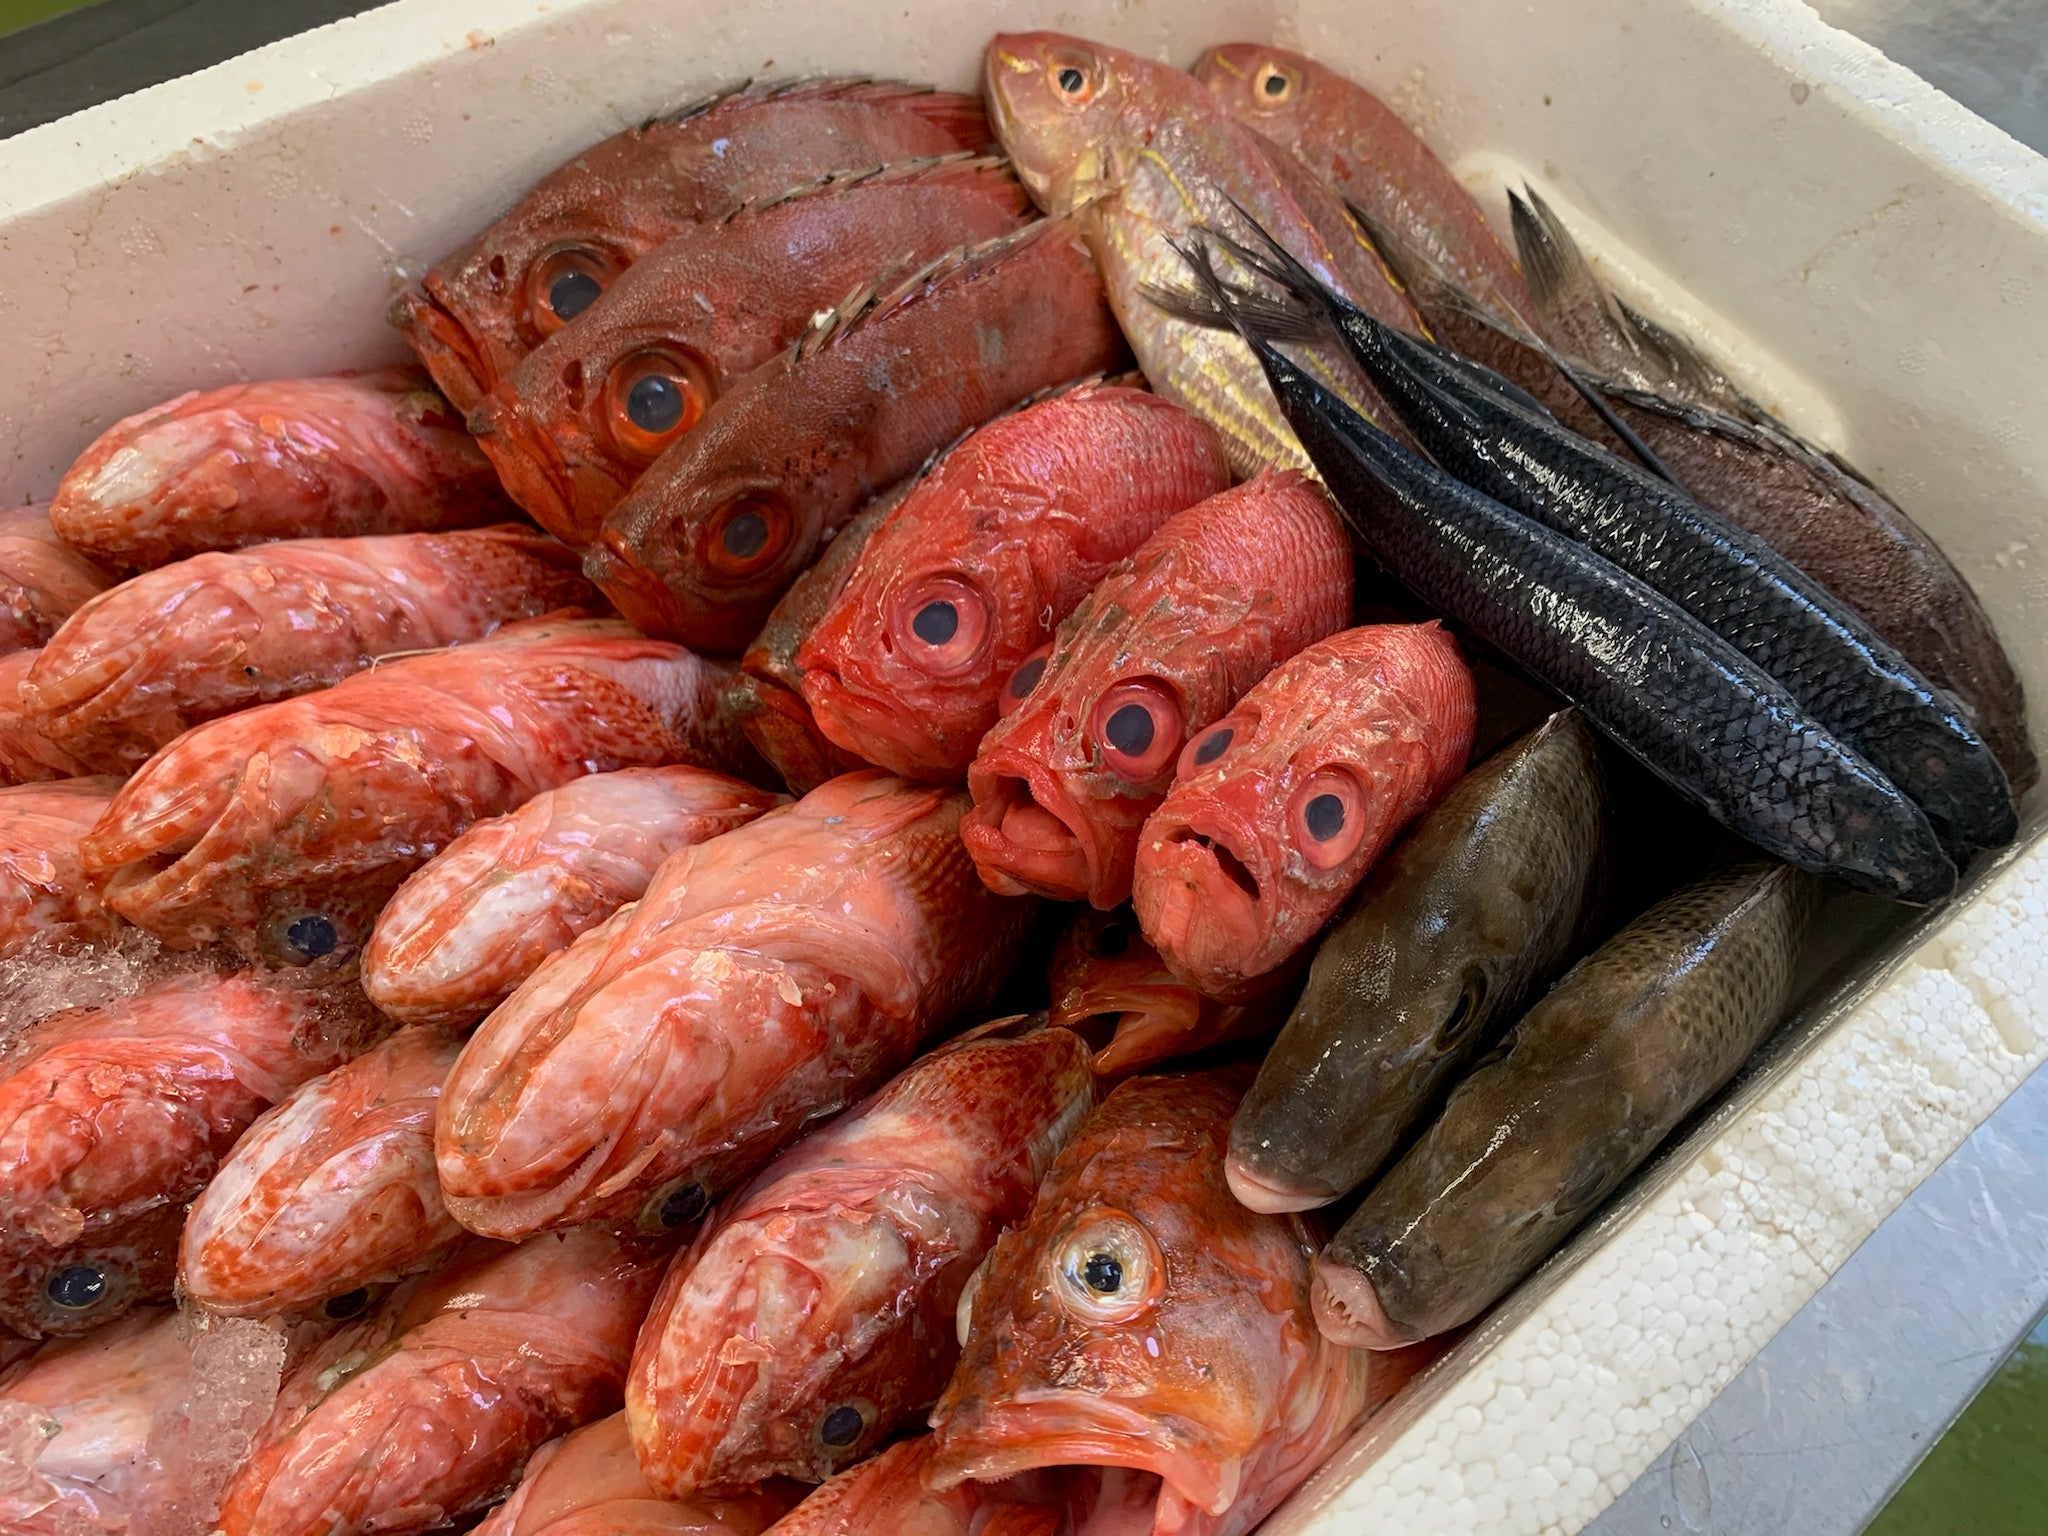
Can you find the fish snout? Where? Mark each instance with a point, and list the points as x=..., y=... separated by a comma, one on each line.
x=431, y=327
x=530, y=466
x=1348, y=1311
x=1269, y=1197
x=1026, y=837
x=1203, y=893
x=642, y=598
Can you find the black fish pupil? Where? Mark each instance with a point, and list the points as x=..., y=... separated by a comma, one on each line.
x=936, y=622
x=1113, y=940
x=683, y=1206
x=1129, y=730
x=311, y=935
x=345, y=1306
x=572, y=293
x=1071, y=80
x=1103, y=1274
x=1213, y=746
x=76, y=1287
x=1276, y=85
x=746, y=535
x=655, y=404
x=1026, y=677
x=1325, y=817
x=842, y=1425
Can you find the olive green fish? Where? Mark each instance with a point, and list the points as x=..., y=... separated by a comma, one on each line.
x=1576, y=1096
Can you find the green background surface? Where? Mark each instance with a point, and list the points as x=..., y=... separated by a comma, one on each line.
x=19, y=13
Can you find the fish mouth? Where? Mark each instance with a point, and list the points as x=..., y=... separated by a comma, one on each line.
x=529, y=463
x=1348, y=1311
x=1027, y=837
x=996, y=1440
x=1201, y=897
x=776, y=719
x=444, y=344
x=872, y=729
x=641, y=597
x=1256, y=1192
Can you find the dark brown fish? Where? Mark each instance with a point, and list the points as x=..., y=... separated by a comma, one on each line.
x=484, y=307
x=1465, y=921
x=721, y=523
x=1580, y=1092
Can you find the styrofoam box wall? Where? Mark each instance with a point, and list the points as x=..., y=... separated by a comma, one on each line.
x=1869, y=256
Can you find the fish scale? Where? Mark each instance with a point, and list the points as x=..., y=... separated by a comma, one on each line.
x=1686, y=704
x=1580, y=1091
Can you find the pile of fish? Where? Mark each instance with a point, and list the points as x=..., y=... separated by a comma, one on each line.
x=575, y=1027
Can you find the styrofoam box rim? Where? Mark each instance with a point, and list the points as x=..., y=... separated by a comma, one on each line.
x=1545, y=1413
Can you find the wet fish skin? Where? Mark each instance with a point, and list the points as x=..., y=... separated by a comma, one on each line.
x=1578, y=1094
x=588, y=1483
x=27, y=756
x=767, y=979
x=1734, y=583
x=1819, y=514
x=765, y=698
x=1683, y=702
x=203, y=637
x=1002, y=537
x=46, y=902
x=1348, y=136
x=283, y=829
x=1103, y=974
x=1220, y=594
x=484, y=306
x=329, y=1191
x=1448, y=940
x=331, y=457
x=1135, y=1236
x=708, y=306
x=112, y=1118
x=42, y=579
x=1373, y=724
x=825, y=1291
x=1146, y=156
x=475, y=921
x=886, y=1496
x=423, y=1411
x=716, y=528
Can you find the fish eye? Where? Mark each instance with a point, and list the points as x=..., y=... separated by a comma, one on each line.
x=349, y=1304
x=1074, y=79
x=77, y=1287
x=748, y=536
x=303, y=937
x=1273, y=85
x=942, y=624
x=1112, y=938
x=1024, y=679
x=1109, y=1270
x=681, y=1206
x=651, y=399
x=564, y=283
x=1327, y=819
x=843, y=1426
x=1464, y=1012
x=1138, y=729
x=1206, y=748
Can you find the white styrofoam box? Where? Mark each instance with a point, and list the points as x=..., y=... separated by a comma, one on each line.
x=1862, y=252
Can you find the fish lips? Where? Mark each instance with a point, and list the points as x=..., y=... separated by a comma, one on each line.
x=1035, y=1428
x=1028, y=836
x=1203, y=890
x=532, y=467
x=873, y=729
x=454, y=357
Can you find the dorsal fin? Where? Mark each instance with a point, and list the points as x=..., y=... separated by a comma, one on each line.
x=878, y=299
x=964, y=164
x=947, y=109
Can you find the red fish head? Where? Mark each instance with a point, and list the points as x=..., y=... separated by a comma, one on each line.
x=1166, y=643
x=908, y=666
x=1281, y=807
x=1256, y=83
x=1140, y=1318
x=589, y=409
